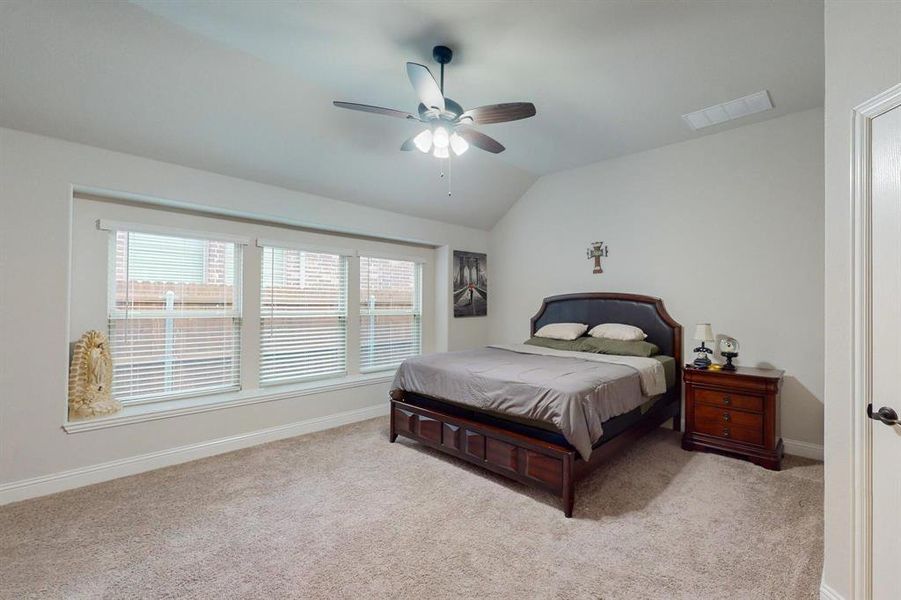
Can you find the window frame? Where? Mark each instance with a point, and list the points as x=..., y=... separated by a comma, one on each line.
x=214, y=226
x=113, y=313
x=344, y=255
x=415, y=312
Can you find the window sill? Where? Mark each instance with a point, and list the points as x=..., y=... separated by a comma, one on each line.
x=187, y=406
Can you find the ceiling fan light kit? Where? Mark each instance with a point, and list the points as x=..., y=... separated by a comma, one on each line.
x=449, y=127
x=423, y=141
x=440, y=137
x=458, y=144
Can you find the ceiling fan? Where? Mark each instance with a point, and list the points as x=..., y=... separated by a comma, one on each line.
x=448, y=126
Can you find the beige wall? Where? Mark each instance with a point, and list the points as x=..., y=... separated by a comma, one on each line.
x=37, y=175
x=727, y=228
x=863, y=58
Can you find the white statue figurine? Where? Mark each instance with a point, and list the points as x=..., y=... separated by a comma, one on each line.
x=91, y=378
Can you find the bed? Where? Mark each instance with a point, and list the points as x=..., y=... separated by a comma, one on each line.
x=553, y=439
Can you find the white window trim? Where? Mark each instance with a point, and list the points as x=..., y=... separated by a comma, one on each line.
x=312, y=248
x=373, y=370
x=105, y=225
x=140, y=413
x=389, y=256
x=325, y=249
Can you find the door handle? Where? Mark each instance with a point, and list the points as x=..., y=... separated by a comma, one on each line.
x=885, y=414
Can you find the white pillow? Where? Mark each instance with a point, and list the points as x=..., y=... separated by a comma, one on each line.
x=562, y=331
x=618, y=331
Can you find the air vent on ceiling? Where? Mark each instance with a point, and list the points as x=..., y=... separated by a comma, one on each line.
x=727, y=111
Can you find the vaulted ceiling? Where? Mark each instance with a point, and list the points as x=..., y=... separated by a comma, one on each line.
x=245, y=88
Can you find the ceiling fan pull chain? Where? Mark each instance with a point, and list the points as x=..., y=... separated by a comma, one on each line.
x=450, y=175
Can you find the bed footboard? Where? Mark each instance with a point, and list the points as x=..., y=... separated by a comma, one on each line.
x=529, y=461
x=525, y=459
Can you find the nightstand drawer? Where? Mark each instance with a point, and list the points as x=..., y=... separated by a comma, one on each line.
x=728, y=399
x=714, y=415
x=730, y=432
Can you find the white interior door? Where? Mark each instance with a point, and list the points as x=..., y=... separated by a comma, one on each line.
x=885, y=178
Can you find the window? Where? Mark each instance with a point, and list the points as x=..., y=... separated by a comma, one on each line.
x=285, y=265
x=390, y=312
x=303, y=310
x=174, y=316
x=191, y=323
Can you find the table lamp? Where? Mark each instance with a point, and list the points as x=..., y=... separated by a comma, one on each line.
x=703, y=334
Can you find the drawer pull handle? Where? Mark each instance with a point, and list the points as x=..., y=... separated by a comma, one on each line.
x=725, y=432
x=727, y=400
x=726, y=416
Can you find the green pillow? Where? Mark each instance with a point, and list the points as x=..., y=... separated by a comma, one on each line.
x=618, y=347
x=571, y=345
x=598, y=346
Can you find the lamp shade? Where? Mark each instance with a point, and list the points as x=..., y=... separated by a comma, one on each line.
x=703, y=332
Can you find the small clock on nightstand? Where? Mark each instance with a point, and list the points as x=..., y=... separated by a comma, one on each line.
x=735, y=412
x=729, y=349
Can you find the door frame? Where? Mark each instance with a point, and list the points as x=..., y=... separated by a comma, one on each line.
x=861, y=325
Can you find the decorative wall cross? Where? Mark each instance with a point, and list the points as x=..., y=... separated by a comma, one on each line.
x=597, y=251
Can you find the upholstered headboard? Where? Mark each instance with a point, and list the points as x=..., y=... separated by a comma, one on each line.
x=593, y=308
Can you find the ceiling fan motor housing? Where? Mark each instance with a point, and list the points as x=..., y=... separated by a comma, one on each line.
x=452, y=110
x=442, y=54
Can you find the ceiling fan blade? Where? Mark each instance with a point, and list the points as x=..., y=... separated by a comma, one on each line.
x=409, y=144
x=425, y=85
x=499, y=113
x=390, y=112
x=480, y=140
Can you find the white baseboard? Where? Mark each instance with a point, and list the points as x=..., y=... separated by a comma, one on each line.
x=65, y=480
x=804, y=449
x=827, y=593
x=793, y=447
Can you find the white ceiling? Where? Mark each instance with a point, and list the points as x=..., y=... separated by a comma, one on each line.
x=245, y=88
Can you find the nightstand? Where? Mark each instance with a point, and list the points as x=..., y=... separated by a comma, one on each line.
x=734, y=412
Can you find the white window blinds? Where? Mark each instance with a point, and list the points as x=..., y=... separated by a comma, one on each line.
x=303, y=310
x=174, y=316
x=390, y=312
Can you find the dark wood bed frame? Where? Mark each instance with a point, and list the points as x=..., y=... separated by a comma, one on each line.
x=532, y=461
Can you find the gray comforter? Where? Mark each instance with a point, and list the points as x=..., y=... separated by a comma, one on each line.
x=574, y=394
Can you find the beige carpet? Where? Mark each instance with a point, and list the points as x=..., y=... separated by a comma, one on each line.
x=345, y=514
